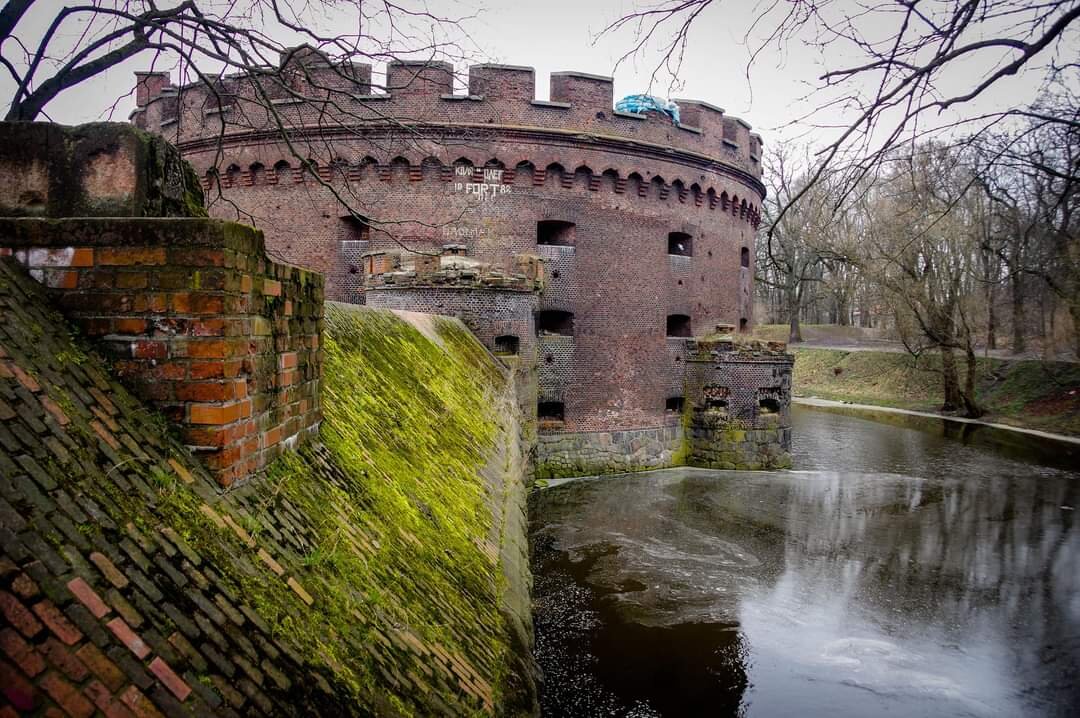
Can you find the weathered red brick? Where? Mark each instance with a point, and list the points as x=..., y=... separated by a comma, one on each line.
x=55, y=410
x=109, y=569
x=67, y=696
x=139, y=704
x=63, y=658
x=21, y=652
x=168, y=677
x=15, y=687
x=61, y=279
x=210, y=349
x=130, y=326
x=128, y=637
x=23, y=378
x=18, y=616
x=271, y=288
x=101, y=666
x=127, y=256
x=146, y=349
x=132, y=280
x=57, y=622
x=23, y=585
x=215, y=414
x=101, y=697
x=88, y=596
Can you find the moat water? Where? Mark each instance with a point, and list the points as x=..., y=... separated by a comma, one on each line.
x=898, y=571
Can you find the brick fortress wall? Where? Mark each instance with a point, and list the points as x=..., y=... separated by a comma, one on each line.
x=482, y=171
x=198, y=321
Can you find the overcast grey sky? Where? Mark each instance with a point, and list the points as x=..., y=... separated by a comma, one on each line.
x=553, y=35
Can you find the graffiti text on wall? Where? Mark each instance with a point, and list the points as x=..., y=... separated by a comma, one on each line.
x=488, y=190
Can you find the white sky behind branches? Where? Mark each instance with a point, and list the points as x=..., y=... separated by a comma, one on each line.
x=553, y=35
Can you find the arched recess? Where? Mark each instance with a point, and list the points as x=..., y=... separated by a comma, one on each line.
x=744, y=257
x=257, y=170
x=610, y=182
x=553, y=175
x=399, y=169
x=431, y=168
x=524, y=173
x=583, y=177
x=635, y=184
x=678, y=189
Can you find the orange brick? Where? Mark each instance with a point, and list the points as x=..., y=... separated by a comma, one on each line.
x=214, y=413
x=64, y=659
x=88, y=597
x=207, y=370
x=129, y=326
x=209, y=349
x=287, y=360
x=101, y=666
x=271, y=288
x=139, y=704
x=61, y=279
x=146, y=349
x=206, y=304
x=168, y=677
x=17, y=615
x=130, y=256
x=67, y=696
x=21, y=652
x=123, y=632
x=57, y=622
x=211, y=391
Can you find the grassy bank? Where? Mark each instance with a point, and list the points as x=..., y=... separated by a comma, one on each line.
x=1033, y=394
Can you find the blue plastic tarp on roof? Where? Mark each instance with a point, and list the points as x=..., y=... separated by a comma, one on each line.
x=639, y=104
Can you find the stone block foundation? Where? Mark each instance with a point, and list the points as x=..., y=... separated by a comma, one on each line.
x=609, y=452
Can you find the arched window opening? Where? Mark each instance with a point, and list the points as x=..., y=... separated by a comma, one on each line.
x=674, y=405
x=744, y=257
x=506, y=345
x=555, y=233
x=554, y=322
x=678, y=325
x=744, y=324
x=680, y=244
x=550, y=414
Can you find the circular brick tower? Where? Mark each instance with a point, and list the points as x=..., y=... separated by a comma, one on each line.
x=589, y=242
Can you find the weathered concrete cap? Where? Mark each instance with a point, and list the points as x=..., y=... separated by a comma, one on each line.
x=107, y=169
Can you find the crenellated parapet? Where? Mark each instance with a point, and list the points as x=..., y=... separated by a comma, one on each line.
x=312, y=97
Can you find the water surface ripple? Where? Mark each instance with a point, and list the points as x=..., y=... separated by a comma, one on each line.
x=898, y=571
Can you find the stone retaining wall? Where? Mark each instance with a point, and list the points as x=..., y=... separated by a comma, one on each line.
x=609, y=452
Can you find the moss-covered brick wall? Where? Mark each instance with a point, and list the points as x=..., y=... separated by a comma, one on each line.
x=378, y=569
x=199, y=322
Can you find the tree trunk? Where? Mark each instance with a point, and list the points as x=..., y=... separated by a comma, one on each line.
x=950, y=381
x=795, y=332
x=972, y=410
x=1018, y=344
x=991, y=320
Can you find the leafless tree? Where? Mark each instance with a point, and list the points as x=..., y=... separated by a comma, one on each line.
x=905, y=53
x=230, y=48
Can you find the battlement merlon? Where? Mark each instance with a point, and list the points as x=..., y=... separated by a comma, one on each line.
x=330, y=96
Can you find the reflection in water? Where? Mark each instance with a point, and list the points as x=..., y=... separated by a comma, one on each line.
x=896, y=571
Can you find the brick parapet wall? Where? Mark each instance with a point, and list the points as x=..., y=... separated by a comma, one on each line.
x=224, y=341
x=421, y=95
